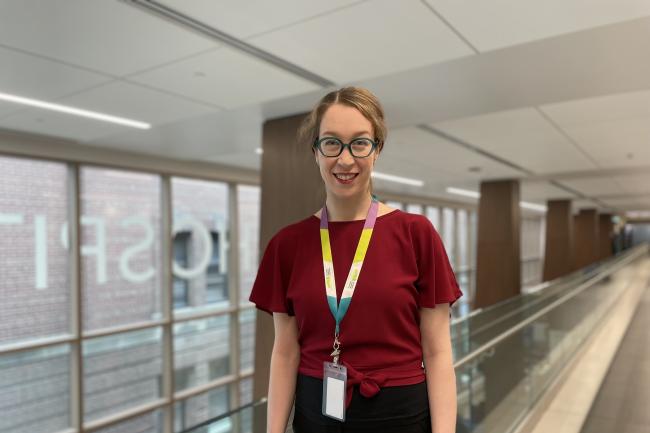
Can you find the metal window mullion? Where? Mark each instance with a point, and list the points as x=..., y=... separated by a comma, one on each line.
x=471, y=252
x=76, y=314
x=456, y=236
x=167, y=303
x=234, y=283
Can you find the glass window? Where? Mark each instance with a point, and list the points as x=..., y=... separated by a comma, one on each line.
x=200, y=227
x=121, y=250
x=121, y=371
x=433, y=214
x=247, y=338
x=44, y=405
x=203, y=407
x=246, y=391
x=34, y=261
x=395, y=204
x=148, y=423
x=414, y=208
x=463, y=238
x=203, y=345
x=448, y=234
x=248, y=201
x=215, y=288
x=181, y=253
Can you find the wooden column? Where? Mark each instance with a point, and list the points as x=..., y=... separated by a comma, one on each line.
x=292, y=189
x=498, y=262
x=558, y=257
x=587, y=248
x=605, y=234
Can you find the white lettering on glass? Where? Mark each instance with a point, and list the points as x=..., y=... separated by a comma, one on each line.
x=144, y=245
x=99, y=249
x=188, y=221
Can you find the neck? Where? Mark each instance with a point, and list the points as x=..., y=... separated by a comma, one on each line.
x=348, y=209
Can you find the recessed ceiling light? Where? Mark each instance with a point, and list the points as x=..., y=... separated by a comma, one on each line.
x=259, y=151
x=74, y=111
x=533, y=206
x=476, y=194
x=638, y=214
x=397, y=179
x=463, y=192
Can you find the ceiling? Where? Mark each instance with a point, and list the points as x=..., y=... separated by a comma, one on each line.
x=555, y=93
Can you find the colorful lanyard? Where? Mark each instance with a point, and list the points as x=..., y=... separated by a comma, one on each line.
x=338, y=311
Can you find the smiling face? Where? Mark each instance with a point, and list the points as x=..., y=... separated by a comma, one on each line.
x=345, y=123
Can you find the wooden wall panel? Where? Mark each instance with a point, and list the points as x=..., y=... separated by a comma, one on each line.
x=587, y=247
x=292, y=189
x=498, y=261
x=605, y=234
x=558, y=256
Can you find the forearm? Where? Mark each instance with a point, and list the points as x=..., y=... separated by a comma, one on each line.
x=282, y=388
x=441, y=386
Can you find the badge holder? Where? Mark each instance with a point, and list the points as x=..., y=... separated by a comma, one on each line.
x=335, y=381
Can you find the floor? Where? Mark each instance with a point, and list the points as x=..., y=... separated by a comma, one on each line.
x=623, y=401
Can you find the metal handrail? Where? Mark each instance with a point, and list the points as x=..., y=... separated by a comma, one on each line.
x=527, y=291
x=225, y=415
x=634, y=254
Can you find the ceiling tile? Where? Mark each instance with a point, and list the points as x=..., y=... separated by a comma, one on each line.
x=138, y=103
x=638, y=183
x=542, y=191
x=244, y=19
x=593, y=186
x=366, y=40
x=522, y=137
x=628, y=203
x=59, y=125
x=247, y=160
x=34, y=77
x=440, y=159
x=500, y=23
x=227, y=78
x=600, y=109
x=195, y=138
x=103, y=35
x=616, y=143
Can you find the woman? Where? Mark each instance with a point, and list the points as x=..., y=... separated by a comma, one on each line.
x=371, y=341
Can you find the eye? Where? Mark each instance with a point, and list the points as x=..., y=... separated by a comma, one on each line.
x=330, y=142
x=362, y=142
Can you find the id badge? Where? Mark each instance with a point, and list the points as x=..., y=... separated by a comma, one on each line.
x=335, y=380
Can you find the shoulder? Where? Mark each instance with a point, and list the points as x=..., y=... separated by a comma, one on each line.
x=421, y=232
x=415, y=222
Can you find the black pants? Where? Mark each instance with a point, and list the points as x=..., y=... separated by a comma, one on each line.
x=396, y=409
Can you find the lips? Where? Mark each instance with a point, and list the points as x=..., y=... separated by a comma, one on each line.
x=345, y=176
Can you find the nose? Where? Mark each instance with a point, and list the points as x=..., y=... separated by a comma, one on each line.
x=346, y=158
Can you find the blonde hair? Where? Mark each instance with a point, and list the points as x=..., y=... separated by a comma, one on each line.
x=356, y=97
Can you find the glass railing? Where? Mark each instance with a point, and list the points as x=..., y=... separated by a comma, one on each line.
x=481, y=325
x=507, y=354
x=505, y=367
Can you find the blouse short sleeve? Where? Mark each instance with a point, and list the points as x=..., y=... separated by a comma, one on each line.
x=270, y=287
x=436, y=281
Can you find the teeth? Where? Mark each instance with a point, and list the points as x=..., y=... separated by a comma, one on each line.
x=345, y=176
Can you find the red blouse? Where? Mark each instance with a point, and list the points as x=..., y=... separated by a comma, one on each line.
x=406, y=267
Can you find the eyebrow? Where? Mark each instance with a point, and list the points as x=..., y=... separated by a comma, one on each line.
x=357, y=134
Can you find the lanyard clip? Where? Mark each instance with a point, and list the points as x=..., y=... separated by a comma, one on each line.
x=336, y=346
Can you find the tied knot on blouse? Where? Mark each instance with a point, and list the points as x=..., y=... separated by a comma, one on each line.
x=371, y=383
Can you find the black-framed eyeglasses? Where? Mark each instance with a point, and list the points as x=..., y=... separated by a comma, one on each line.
x=331, y=147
